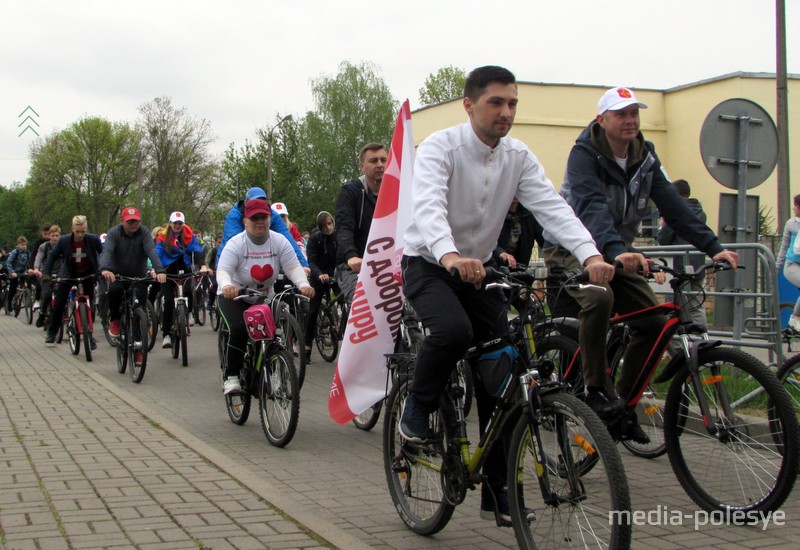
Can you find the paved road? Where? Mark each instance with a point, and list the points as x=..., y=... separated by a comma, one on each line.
x=327, y=488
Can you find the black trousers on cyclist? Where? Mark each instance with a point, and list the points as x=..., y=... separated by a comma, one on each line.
x=168, y=292
x=456, y=314
x=62, y=295
x=13, y=283
x=116, y=293
x=232, y=315
x=314, y=304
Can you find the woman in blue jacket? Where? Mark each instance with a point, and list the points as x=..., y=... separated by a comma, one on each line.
x=178, y=250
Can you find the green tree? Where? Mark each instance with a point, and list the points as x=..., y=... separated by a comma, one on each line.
x=179, y=171
x=353, y=108
x=19, y=218
x=85, y=169
x=445, y=84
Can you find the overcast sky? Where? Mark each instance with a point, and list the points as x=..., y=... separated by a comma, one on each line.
x=238, y=63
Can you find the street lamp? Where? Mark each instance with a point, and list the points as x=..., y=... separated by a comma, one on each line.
x=269, y=154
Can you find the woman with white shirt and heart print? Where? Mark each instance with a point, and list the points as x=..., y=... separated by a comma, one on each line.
x=252, y=259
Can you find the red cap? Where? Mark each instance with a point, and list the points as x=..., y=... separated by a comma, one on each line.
x=256, y=206
x=131, y=213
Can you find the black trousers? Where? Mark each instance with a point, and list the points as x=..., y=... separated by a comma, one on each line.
x=456, y=314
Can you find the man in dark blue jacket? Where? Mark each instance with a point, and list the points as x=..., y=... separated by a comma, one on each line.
x=612, y=173
x=79, y=252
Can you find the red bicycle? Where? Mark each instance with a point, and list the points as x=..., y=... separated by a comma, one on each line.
x=78, y=316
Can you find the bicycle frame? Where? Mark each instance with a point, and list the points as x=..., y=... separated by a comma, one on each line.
x=77, y=296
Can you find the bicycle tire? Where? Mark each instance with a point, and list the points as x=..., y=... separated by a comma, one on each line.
x=17, y=303
x=294, y=340
x=28, y=307
x=183, y=326
x=582, y=503
x=73, y=336
x=649, y=410
x=213, y=317
x=760, y=467
x=199, y=306
x=122, y=346
x=86, y=333
x=326, y=338
x=417, y=491
x=139, y=334
x=789, y=376
x=152, y=325
x=369, y=418
x=60, y=333
x=279, y=398
x=175, y=337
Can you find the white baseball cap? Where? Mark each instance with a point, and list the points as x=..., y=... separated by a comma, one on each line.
x=281, y=209
x=177, y=217
x=616, y=99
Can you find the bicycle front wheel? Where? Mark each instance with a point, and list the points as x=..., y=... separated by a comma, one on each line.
x=122, y=346
x=326, y=339
x=590, y=509
x=744, y=454
x=279, y=398
x=213, y=316
x=73, y=336
x=138, y=344
x=152, y=325
x=183, y=326
x=86, y=333
x=415, y=472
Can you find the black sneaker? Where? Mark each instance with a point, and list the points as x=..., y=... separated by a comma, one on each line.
x=308, y=356
x=50, y=339
x=414, y=425
x=93, y=343
x=633, y=431
x=40, y=321
x=603, y=401
x=503, y=515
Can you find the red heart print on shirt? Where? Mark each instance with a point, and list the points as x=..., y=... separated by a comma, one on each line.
x=261, y=273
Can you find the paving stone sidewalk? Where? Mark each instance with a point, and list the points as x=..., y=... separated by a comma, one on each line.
x=80, y=468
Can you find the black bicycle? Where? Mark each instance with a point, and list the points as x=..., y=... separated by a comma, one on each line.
x=331, y=322
x=552, y=504
x=132, y=344
x=268, y=373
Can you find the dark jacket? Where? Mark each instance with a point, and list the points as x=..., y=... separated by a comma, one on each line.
x=128, y=255
x=355, y=207
x=39, y=242
x=18, y=260
x=530, y=232
x=321, y=250
x=667, y=236
x=63, y=250
x=611, y=202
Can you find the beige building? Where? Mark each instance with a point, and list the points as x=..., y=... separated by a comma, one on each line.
x=551, y=116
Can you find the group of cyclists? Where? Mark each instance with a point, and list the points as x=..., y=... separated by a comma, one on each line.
x=477, y=194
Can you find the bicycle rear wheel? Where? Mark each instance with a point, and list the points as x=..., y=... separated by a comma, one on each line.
x=139, y=334
x=367, y=419
x=73, y=336
x=279, y=398
x=415, y=472
x=649, y=410
x=27, y=305
x=183, y=325
x=747, y=457
x=86, y=333
x=199, y=306
x=789, y=375
x=326, y=339
x=587, y=509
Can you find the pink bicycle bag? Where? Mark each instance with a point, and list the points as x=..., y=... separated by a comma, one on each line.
x=259, y=322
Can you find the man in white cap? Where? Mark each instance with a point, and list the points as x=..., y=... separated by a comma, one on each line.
x=612, y=173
